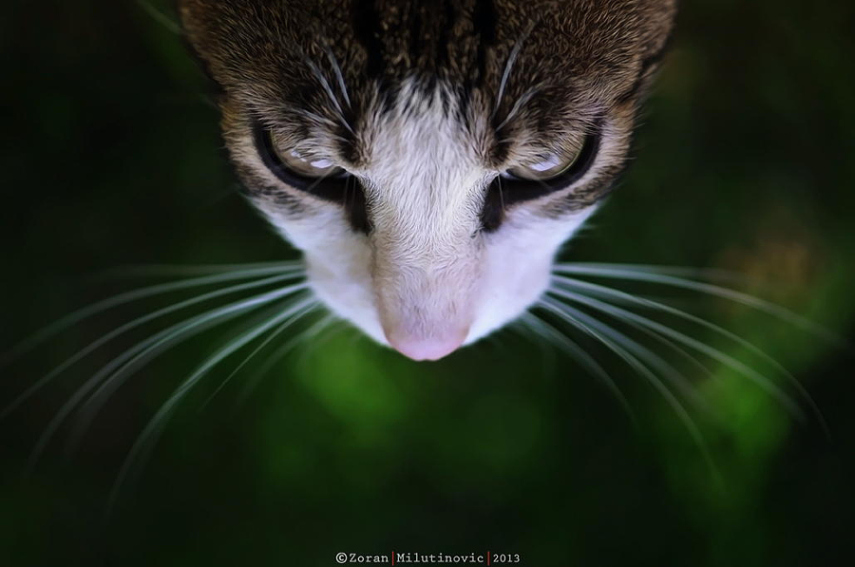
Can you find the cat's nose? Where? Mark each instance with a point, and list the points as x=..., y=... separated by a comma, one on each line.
x=427, y=348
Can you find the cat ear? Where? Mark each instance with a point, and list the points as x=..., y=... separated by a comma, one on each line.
x=659, y=34
x=657, y=41
x=214, y=88
x=191, y=14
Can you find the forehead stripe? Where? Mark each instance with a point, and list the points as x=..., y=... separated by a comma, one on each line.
x=484, y=24
x=367, y=30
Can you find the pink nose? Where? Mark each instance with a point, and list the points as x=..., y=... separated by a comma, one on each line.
x=421, y=348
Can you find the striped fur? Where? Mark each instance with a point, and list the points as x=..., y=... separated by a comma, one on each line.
x=424, y=105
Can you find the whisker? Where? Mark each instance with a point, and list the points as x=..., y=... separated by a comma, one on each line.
x=523, y=326
x=159, y=17
x=520, y=102
x=646, y=355
x=732, y=363
x=309, y=334
x=639, y=367
x=40, y=383
x=99, y=398
x=684, y=385
x=330, y=94
x=629, y=298
x=145, y=442
x=572, y=349
x=84, y=313
x=509, y=65
x=338, y=74
x=683, y=271
x=177, y=270
x=309, y=306
x=119, y=369
x=718, y=291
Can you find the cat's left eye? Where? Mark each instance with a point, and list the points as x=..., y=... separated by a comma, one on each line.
x=309, y=167
x=294, y=162
x=316, y=175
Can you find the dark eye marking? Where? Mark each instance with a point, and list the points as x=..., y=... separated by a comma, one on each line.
x=334, y=185
x=507, y=189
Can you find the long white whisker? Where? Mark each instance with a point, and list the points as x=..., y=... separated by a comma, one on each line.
x=111, y=371
x=93, y=405
x=309, y=306
x=718, y=291
x=177, y=270
x=309, y=334
x=509, y=65
x=330, y=94
x=679, y=271
x=115, y=372
x=524, y=326
x=520, y=102
x=338, y=74
x=629, y=298
x=141, y=449
x=121, y=299
x=159, y=17
x=43, y=381
x=683, y=353
x=639, y=367
x=555, y=287
x=653, y=360
x=695, y=344
x=572, y=349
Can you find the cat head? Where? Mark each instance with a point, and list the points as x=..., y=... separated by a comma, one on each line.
x=428, y=158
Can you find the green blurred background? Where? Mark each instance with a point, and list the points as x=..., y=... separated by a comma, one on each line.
x=112, y=156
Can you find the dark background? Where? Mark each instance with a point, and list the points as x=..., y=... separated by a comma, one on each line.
x=111, y=156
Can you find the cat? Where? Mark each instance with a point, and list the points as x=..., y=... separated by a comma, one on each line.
x=428, y=158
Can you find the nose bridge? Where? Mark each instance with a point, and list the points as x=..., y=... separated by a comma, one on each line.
x=425, y=270
x=421, y=265
x=423, y=232
x=423, y=206
x=430, y=204
x=423, y=193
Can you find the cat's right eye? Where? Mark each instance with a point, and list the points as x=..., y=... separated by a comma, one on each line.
x=553, y=171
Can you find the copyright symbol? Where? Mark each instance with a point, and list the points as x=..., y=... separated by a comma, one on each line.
x=341, y=558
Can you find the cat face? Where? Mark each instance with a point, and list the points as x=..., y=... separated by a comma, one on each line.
x=428, y=158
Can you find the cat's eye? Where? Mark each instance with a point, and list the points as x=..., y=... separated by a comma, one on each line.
x=547, y=174
x=548, y=166
x=319, y=177
x=294, y=165
x=317, y=168
x=551, y=171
